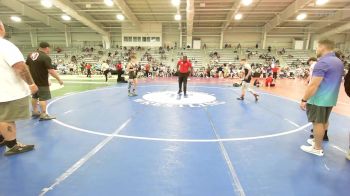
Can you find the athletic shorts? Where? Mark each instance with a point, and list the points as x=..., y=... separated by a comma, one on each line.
x=132, y=75
x=318, y=114
x=245, y=85
x=43, y=93
x=15, y=110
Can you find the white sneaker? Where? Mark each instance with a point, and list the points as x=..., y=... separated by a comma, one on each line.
x=312, y=150
x=311, y=142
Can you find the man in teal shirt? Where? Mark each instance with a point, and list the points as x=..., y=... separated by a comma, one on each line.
x=322, y=94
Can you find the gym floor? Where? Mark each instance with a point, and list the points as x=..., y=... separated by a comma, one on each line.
x=106, y=143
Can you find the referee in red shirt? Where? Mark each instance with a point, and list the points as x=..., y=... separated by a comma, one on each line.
x=184, y=68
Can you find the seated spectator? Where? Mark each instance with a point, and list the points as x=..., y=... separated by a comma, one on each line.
x=269, y=81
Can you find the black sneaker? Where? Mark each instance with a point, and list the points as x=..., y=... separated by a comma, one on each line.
x=18, y=148
x=241, y=98
x=256, y=97
x=179, y=92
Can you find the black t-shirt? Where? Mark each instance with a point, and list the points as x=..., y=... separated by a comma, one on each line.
x=247, y=68
x=39, y=63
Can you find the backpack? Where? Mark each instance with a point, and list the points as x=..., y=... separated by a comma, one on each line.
x=347, y=83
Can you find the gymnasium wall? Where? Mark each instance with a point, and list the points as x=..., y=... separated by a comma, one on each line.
x=170, y=35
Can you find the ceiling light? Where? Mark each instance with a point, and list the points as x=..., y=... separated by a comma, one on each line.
x=247, y=2
x=120, y=17
x=238, y=16
x=321, y=2
x=109, y=3
x=66, y=17
x=301, y=16
x=46, y=3
x=177, y=17
x=176, y=2
x=16, y=19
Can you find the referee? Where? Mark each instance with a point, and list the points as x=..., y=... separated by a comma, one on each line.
x=40, y=67
x=184, y=68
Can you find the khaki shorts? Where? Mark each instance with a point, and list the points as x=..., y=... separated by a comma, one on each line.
x=245, y=85
x=43, y=93
x=318, y=114
x=15, y=110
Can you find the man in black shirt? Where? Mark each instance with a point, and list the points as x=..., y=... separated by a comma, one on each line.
x=40, y=67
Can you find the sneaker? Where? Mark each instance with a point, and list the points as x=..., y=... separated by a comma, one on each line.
x=256, y=97
x=348, y=157
x=312, y=150
x=241, y=98
x=18, y=148
x=46, y=117
x=311, y=142
x=35, y=114
x=179, y=92
x=185, y=95
x=134, y=94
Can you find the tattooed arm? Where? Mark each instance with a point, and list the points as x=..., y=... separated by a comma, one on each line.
x=22, y=70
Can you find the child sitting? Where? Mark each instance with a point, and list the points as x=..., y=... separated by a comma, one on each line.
x=269, y=81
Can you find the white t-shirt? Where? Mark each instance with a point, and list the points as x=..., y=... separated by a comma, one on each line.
x=104, y=66
x=312, y=69
x=12, y=86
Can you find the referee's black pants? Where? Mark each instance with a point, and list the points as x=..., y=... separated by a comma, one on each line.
x=183, y=82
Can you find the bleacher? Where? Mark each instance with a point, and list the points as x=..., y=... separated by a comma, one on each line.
x=295, y=57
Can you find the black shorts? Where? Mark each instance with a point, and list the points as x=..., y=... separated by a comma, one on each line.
x=43, y=93
x=318, y=114
x=274, y=75
x=132, y=75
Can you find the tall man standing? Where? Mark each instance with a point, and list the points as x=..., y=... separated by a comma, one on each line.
x=40, y=67
x=247, y=77
x=322, y=94
x=184, y=68
x=16, y=84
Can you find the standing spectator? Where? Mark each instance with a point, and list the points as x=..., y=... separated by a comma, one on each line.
x=322, y=94
x=16, y=84
x=311, y=62
x=275, y=70
x=40, y=67
x=147, y=69
x=88, y=70
x=119, y=68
